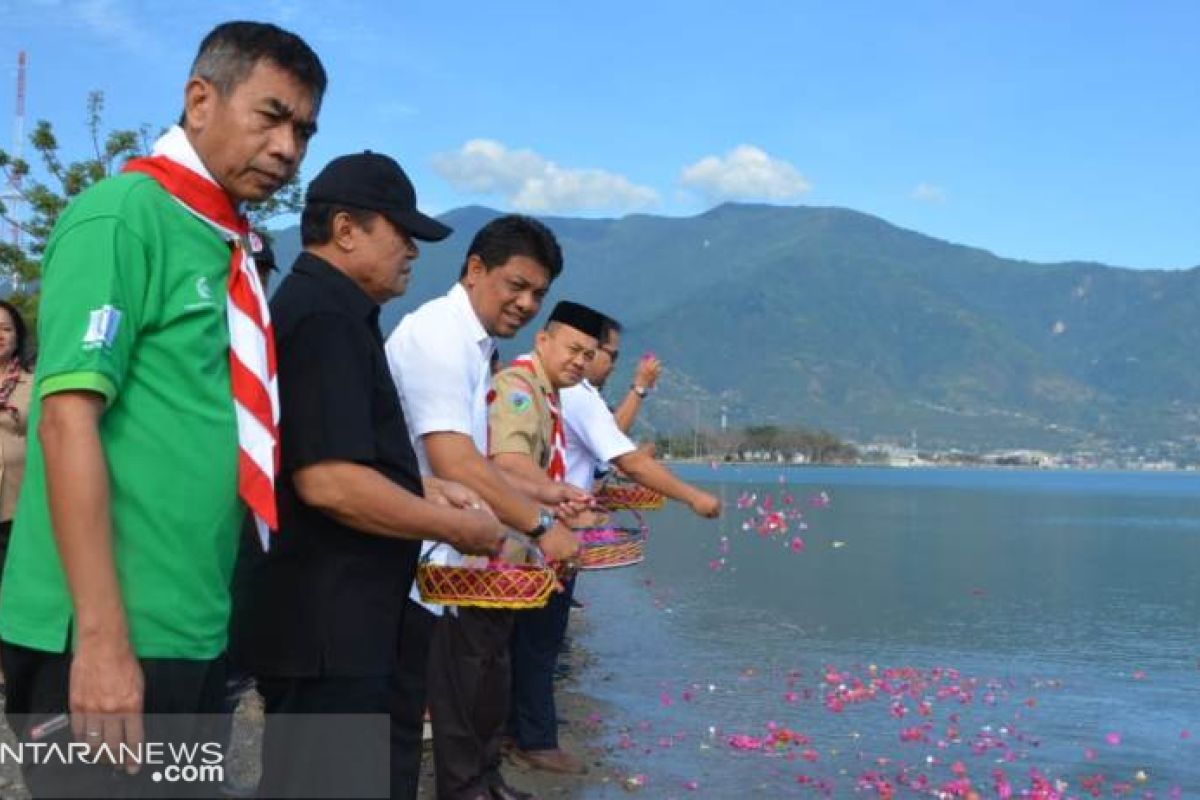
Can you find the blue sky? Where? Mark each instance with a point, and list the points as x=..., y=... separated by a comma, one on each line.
x=1039, y=130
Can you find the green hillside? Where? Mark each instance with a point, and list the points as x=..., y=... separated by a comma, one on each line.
x=830, y=318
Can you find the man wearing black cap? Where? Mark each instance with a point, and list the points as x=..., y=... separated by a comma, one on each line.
x=318, y=616
x=528, y=438
x=593, y=438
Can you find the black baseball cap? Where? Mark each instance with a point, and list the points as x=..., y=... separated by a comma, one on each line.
x=374, y=182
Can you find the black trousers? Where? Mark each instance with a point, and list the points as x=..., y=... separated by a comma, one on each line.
x=537, y=640
x=408, y=700
x=182, y=702
x=468, y=682
x=325, y=737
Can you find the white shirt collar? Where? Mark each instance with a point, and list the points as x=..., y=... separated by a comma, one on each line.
x=462, y=305
x=175, y=145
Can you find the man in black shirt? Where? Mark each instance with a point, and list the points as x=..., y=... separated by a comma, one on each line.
x=317, y=616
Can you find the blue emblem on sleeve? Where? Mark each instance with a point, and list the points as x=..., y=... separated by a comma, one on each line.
x=520, y=401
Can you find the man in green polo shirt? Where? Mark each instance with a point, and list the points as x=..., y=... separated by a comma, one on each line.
x=115, y=597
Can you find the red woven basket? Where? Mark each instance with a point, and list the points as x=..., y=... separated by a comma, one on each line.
x=515, y=586
x=619, y=497
x=608, y=547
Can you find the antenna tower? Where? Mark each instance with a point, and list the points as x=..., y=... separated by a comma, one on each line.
x=13, y=197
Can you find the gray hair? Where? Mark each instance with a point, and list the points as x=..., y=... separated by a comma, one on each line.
x=230, y=51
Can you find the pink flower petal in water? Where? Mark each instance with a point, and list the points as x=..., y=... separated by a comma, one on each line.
x=797, y=545
x=691, y=786
x=742, y=741
x=1113, y=738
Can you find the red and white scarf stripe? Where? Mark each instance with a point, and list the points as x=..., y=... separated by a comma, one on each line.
x=557, y=469
x=251, y=339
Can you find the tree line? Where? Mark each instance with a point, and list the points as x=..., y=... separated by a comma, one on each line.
x=759, y=443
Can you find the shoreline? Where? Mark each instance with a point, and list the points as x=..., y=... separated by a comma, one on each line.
x=582, y=734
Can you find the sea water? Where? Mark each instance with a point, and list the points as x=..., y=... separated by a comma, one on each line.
x=860, y=632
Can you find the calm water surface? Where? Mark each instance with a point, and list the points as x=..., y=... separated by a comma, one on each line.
x=1006, y=621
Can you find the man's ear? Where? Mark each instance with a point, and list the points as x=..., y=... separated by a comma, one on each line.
x=200, y=96
x=476, y=269
x=343, y=231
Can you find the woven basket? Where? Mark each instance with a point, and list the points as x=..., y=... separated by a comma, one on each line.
x=515, y=586
x=618, y=497
x=609, y=547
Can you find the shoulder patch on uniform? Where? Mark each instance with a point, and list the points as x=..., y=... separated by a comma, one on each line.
x=103, y=323
x=519, y=400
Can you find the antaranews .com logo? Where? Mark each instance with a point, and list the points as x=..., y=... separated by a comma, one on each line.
x=168, y=762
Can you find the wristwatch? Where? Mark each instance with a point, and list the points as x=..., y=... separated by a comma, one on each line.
x=545, y=522
x=640, y=391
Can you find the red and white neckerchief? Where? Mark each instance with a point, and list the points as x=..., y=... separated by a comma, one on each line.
x=557, y=470
x=251, y=339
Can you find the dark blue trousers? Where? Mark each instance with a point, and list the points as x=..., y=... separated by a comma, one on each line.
x=537, y=638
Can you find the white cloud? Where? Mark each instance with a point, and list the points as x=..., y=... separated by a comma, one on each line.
x=113, y=20
x=928, y=193
x=530, y=182
x=745, y=173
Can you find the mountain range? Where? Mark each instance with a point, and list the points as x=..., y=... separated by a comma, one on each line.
x=830, y=318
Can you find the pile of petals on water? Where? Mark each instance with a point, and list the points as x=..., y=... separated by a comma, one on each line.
x=899, y=732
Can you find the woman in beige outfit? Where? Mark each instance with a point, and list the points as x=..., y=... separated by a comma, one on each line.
x=16, y=385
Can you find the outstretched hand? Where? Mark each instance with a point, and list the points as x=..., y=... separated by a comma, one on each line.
x=647, y=372
x=706, y=505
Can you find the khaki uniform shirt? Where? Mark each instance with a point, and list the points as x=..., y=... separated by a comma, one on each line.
x=519, y=417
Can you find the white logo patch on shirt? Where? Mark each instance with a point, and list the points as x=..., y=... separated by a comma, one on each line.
x=204, y=296
x=103, y=324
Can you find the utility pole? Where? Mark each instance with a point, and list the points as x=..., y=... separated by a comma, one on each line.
x=14, y=198
x=696, y=431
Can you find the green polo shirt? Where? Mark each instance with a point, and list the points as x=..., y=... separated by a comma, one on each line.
x=133, y=308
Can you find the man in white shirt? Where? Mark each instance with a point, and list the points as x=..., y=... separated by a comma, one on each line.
x=593, y=438
x=440, y=356
x=596, y=437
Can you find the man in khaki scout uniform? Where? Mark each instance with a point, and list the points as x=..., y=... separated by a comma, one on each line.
x=526, y=436
x=525, y=426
